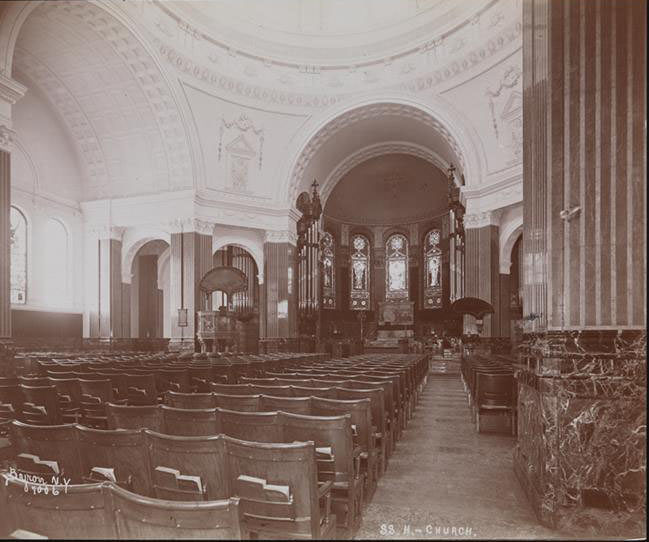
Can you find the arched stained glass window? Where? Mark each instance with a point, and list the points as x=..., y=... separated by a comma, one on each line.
x=328, y=249
x=18, y=251
x=432, y=270
x=360, y=273
x=56, y=256
x=396, y=267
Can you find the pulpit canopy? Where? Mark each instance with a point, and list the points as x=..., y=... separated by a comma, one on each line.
x=225, y=279
x=472, y=305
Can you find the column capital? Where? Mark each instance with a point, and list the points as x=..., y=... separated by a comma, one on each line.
x=281, y=236
x=485, y=218
x=104, y=232
x=187, y=225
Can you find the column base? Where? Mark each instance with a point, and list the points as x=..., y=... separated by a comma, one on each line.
x=580, y=453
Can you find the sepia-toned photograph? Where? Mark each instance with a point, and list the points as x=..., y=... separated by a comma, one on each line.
x=323, y=270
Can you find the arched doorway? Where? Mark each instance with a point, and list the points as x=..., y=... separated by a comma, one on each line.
x=150, y=291
x=244, y=304
x=516, y=291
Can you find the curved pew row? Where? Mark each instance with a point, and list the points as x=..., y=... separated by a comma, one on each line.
x=128, y=458
x=107, y=511
x=277, y=483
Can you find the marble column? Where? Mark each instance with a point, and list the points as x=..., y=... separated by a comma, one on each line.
x=582, y=395
x=279, y=299
x=482, y=269
x=109, y=322
x=190, y=258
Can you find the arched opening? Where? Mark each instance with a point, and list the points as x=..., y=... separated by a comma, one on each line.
x=150, y=291
x=245, y=304
x=516, y=291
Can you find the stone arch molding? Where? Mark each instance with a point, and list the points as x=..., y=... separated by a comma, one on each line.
x=134, y=241
x=434, y=111
x=257, y=252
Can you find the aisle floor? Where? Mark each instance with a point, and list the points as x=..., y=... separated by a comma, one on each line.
x=446, y=481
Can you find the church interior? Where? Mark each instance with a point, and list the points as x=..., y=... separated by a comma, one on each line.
x=323, y=269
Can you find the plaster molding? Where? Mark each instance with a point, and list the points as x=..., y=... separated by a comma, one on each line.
x=270, y=81
x=7, y=136
x=11, y=90
x=284, y=236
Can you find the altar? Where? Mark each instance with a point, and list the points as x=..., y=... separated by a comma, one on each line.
x=397, y=313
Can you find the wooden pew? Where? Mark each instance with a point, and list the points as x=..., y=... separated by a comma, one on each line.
x=48, y=443
x=248, y=403
x=361, y=414
x=138, y=517
x=74, y=512
x=306, y=514
x=122, y=450
x=343, y=469
x=190, y=422
x=134, y=417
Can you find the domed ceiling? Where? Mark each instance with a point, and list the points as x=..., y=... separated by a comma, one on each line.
x=324, y=31
x=389, y=189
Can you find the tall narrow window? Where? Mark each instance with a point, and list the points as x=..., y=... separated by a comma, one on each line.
x=56, y=256
x=328, y=247
x=396, y=267
x=360, y=273
x=433, y=271
x=18, y=242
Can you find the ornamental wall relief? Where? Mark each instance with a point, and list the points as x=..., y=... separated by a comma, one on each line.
x=506, y=108
x=240, y=147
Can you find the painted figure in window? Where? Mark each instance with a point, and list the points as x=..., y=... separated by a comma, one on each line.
x=397, y=275
x=328, y=272
x=359, y=275
x=432, y=277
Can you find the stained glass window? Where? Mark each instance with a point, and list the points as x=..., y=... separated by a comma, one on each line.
x=18, y=242
x=432, y=270
x=360, y=273
x=56, y=256
x=327, y=247
x=396, y=266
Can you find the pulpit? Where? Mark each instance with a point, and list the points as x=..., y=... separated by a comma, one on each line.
x=217, y=331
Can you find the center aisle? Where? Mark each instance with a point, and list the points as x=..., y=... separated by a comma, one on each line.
x=447, y=481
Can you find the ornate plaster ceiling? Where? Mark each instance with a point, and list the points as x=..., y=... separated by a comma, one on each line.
x=110, y=94
x=389, y=189
x=324, y=31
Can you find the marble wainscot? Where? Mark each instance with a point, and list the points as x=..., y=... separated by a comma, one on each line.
x=581, y=449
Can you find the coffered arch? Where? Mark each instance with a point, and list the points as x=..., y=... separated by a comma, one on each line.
x=110, y=90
